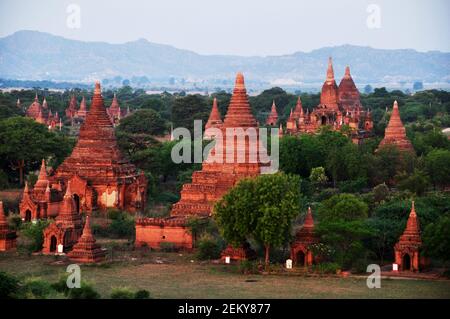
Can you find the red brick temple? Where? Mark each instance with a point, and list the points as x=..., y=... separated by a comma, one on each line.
x=100, y=176
x=86, y=250
x=42, y=201
x=214, y=120
x=395, y=133
x=42, y=114
x=407, y=249
x=7, y=236
x=66, y=228
x=71, y=109
x=339, y=106
x=301, y=253
x=208, y=184
x=82, y=112
x=115, y=112
x=272, y=119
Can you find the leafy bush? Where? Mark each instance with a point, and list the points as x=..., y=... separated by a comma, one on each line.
x=122, y=293
x=34, y=232
x=84, y=292
x=353, y=186
x=326, y=268
x=208, y=248
x=248, y=267
x=9, y=286
x=36, y=288
x=14, y=221
x=142, y=294
x=114, y=214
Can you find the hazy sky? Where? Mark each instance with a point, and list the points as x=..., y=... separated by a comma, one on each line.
x=243, y=27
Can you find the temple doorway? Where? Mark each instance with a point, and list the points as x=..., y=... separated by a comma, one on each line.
x=324, y=120
x=301, y=258
x=28, y=216
x=76, y=198
x=406, y=262
x=52, y=244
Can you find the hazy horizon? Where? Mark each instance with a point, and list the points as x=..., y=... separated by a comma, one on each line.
x=243, y=28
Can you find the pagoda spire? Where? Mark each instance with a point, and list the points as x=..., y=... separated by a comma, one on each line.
x=239, y=112
x=347, y=73
x=36, y=98
x=309, y=221
x=330, y=71
x=42, y=172
x=214, y=117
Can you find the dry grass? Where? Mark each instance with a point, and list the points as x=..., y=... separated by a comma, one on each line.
x=170, y=275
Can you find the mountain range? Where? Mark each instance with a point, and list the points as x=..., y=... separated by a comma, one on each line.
x=33, y=55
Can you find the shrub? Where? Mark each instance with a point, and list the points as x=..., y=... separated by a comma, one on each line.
x=326, y=268
x=122, y=293
x=114, y=214
x=248, y=267
x=142, y=294
x=84, y=292
x=36, y=288
x=34, y=232
x=122, y=228
x=9, y=286
x=380, y=192
x=14, y=221
x=208, y=248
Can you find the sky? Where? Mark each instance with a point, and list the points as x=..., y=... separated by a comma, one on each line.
x=239, y=27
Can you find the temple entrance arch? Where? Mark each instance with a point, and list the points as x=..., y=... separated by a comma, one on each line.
x=76, y=199
x=53, y=242
x=406, y=262
x=323, y=120
x=28, y=216
x=301, y=258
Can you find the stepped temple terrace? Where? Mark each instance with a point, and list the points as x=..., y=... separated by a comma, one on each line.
x=100, y=176
x=209, y=184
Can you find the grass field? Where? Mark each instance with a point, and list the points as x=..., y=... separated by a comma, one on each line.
x=172, y=275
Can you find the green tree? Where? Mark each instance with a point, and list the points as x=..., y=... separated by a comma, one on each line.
x=187, y=109
x=143, y=122
x=262, y=208
x=24, y=143
x=436, y=238
x=437, y=167
x=342, y=226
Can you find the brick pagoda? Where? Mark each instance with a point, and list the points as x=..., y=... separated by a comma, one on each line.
x=41, y=113
x=214, y=120
x=86, y=250
x=339, y=105
x=301, y=253
x=395, y=133
x=100, y=176
x=272, y=119
x=66, y=229
x=7, y=236
x=115, y=112
x=210, y=183
x=407, y=249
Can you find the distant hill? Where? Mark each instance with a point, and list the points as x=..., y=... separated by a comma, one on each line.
x=32, y=55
